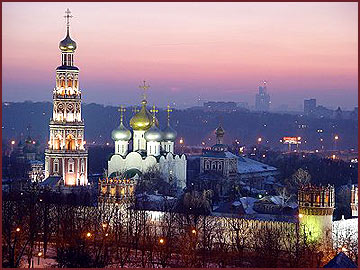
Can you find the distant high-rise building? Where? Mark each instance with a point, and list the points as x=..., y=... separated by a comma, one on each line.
x=309, y=106
x=262, y=99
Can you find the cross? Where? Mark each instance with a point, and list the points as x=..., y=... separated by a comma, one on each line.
x=144, y=87
x=135, y=109
x=121, y=110
x=154, y=111
x=168, y=114
x=67, y=17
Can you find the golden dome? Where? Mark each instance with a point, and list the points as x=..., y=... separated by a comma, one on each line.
x=143, y=119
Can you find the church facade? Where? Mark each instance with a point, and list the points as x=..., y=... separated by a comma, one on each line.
x=152, y=148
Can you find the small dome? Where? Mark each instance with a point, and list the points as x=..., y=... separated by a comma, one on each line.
x=143, y=119
x=121, y=133
x=169, y=134
x=67, y=44
x=219, y=131
x=154, y=134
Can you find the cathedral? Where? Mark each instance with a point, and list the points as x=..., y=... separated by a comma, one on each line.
x=66, y=158
x=152, y=148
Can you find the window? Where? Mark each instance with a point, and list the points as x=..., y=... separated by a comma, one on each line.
x=213, y=166
x=71, y=166
x=219, y=166
x=82, y=166
x=207, y=165
x=56, y=166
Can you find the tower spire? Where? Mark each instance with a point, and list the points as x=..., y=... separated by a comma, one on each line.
x=168, y=110
x=67, y=17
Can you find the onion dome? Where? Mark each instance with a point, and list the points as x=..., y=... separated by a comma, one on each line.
x=67, y=44
x=153, y=134
x=219, y=131
x=143, y=119
x=169, y=134
x=121, y=133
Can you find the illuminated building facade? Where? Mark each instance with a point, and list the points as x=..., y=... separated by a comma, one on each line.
x=66, y=156
x=116, y=189
x=152, y=148
x=354, y=200
x=316, y=207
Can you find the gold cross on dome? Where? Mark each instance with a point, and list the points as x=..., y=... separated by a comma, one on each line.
x=121, y=110
x=154, y=110
x=135, y=109
x=67, y=17
x=144, y=87
x=168, y=114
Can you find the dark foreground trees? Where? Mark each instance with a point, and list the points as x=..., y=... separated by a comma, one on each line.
x=115, y=235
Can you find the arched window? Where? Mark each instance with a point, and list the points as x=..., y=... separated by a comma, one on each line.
x=207, y=165
x=213, y=165
x=71, y=166
x=82, y=166
x=70, y=143
x=220, y=166
x=56, y=166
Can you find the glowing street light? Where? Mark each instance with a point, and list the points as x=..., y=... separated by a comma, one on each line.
x=104, y=225
x=336, y=137
x=259, y=140
x=12, y=142
x=18, y=229
x=299, y=138
x=181, y=141
x=88, y=235
x=193, y=231
x=162, y=241
x=39, y=254
x=301, y=215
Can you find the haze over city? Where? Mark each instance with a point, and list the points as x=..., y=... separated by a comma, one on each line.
x=186, y=51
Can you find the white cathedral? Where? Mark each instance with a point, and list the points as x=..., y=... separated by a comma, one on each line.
x=152, y=148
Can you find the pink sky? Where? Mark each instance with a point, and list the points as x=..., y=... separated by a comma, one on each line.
x=211, y=51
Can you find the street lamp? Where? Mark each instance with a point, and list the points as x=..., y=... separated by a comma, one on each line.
x=12, y=142
x=88, y=235
x=193, y=231
x=259, y=140
x=18, y=229
x=336, y=138
x=39, y=255
x=162, y=241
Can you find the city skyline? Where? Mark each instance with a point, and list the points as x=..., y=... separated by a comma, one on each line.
x=174, y=51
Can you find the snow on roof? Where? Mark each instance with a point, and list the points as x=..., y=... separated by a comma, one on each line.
x=247, y=165
x=236, y=203
x=248, y=204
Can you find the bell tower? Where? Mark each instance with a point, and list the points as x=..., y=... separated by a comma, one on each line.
x=316, y=207
x=66, y=156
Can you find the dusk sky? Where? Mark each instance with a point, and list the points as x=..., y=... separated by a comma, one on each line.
x=186, y=51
